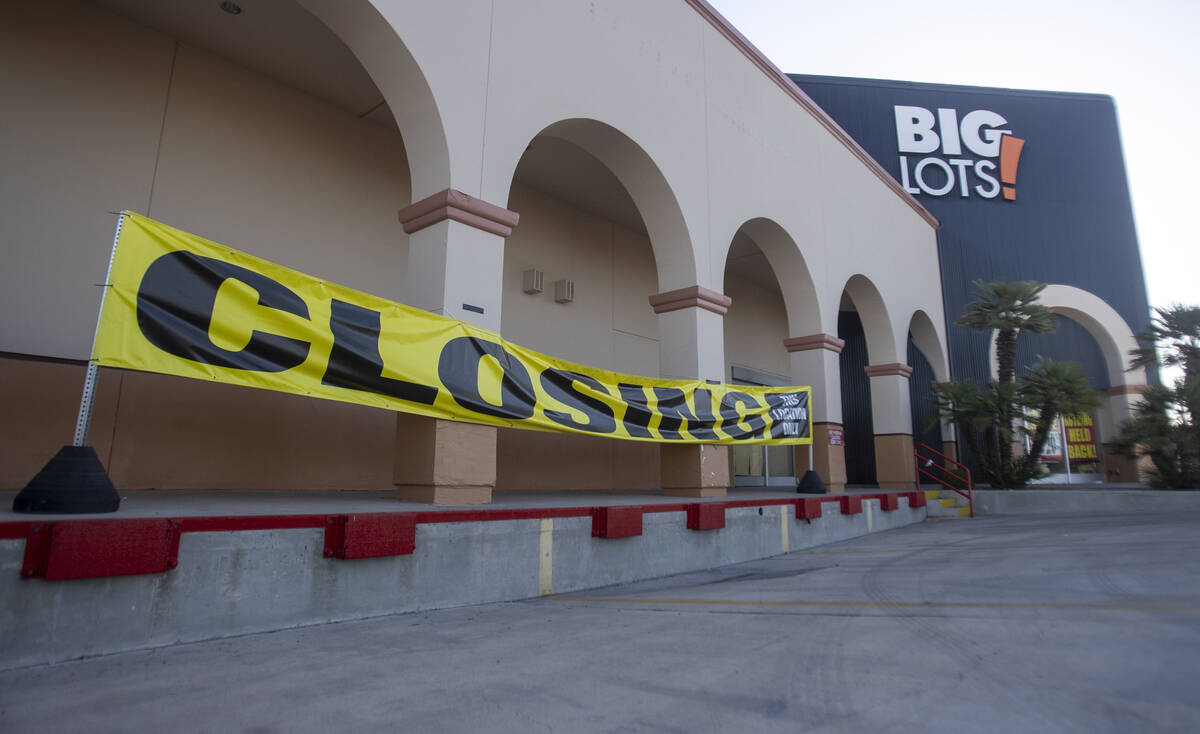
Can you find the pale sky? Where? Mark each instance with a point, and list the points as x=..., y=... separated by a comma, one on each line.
x=1144, y=54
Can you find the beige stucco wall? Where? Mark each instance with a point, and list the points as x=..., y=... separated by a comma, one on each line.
x=113, y=115
x=728, y=145
x=106, y=115
x=755, y=328
x=80, y=135
x=110, y=115
x=609, y=325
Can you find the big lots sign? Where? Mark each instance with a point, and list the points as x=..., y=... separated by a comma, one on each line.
x=973, y=155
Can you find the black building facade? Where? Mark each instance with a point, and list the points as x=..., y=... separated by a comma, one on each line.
x=1027, y=185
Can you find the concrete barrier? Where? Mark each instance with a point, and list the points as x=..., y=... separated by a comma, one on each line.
x=1039, y=501
x=256, y=578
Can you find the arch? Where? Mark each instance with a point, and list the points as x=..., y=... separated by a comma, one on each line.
x=877, y=324
x=925, y=336
x=674, y=256
x=1112, y=334
x=376, y=44
x=790, y=270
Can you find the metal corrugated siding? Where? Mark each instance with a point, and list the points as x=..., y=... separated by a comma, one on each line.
x=1069, y=342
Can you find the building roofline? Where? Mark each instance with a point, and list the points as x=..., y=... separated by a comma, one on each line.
x=756, y=57
x=965, y=88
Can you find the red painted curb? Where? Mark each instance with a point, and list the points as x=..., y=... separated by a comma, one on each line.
x=67, y=549
x=87, y=549
x=617, y=522
x=706, y=516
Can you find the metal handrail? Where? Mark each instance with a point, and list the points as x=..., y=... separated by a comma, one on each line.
x=965, y=477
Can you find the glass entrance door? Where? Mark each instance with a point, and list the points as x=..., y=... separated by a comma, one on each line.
x=762, y=466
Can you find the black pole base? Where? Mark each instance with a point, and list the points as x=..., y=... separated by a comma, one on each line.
x=810, y=483
x=74, y=481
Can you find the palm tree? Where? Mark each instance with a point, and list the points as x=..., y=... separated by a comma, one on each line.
x=984, y=415
x=1008, y=307
x=1166, y=421
x=1053, y=389
x=1172, y=337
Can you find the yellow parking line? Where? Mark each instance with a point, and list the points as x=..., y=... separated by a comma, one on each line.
x=783, y=526
x=894, y=604
x=546, y=557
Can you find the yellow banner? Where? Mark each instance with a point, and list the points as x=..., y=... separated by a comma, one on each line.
x=182, y=305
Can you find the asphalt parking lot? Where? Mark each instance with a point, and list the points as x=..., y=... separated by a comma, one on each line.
x=1066, y=623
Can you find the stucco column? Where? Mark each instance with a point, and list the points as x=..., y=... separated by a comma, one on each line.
x=1117, y=407
x=456, y=256
x=691, y=346
x=891, y=413
x=455, y=268
x=814, y=361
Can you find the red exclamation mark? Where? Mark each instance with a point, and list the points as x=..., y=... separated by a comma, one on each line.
x=1010, y=156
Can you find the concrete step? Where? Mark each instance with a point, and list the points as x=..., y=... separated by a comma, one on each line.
x=955, y=513
x=935, y=495
x=946, y=504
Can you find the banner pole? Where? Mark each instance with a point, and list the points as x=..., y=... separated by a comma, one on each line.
x=84, y=422
x=74, y=481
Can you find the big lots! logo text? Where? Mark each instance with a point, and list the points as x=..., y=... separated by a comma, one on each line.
x=974, y=155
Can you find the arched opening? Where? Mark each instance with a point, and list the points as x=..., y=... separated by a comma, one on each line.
x=643, y=188
x=261, y=131
x=402, y=91
x=928, y=362
x=1110, y=337
x=864, y=325
x=1091, y=333
x=762, y=317
x=581, y=223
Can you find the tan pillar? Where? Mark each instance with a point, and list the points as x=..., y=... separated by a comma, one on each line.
x=455, y=268
x=814, y=362
x=456, y=256
x=444, y=462
x=891, y=413
x=950, y=449
x=691, y=346
x=829, y=455
x=894, y=461
x=1117, y=407
x=695, y=470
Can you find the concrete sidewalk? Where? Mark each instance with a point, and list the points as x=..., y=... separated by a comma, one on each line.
x=1082, y=623
x=1059, y=499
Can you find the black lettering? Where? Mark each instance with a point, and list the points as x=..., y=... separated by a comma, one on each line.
x=637, y=413
x=560, y=384
x=354, y=362
x=175, y=306
x=458, y=369
x=790, y=405
x=732, y=418
x=673, y=407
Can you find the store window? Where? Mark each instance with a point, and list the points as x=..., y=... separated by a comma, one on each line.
x=762, y=466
